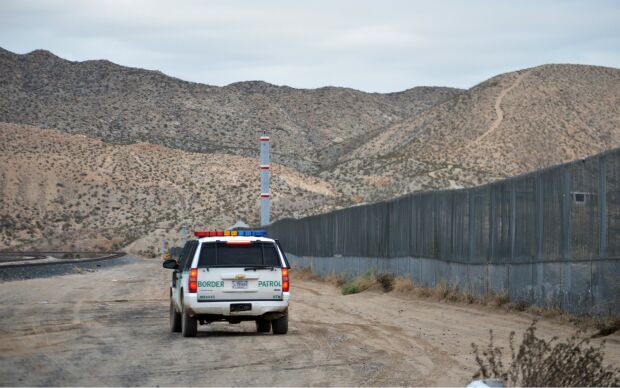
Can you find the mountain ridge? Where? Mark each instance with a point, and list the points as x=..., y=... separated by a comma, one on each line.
x=122, y=105
x=333, y=147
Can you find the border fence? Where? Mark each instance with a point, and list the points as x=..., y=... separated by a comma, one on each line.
x=549, y=237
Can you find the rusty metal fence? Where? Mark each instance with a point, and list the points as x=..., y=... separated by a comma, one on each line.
x=550, y=237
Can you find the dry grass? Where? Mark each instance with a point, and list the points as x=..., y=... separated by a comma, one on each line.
x=403, y=285
x=335, y=280
x=305, y=273
x=443, y=293
x=540, y=362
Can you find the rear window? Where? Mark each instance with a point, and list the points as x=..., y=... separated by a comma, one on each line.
x=220, y=254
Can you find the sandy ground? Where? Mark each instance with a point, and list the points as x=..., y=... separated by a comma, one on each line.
x=110, y=327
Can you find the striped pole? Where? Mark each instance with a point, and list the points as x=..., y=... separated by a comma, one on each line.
x=264, y=179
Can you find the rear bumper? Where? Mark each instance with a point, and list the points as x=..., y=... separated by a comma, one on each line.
x=259, y=307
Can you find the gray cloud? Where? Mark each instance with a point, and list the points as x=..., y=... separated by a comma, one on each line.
x=369, y=45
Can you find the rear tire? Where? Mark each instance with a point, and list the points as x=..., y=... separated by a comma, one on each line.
x=263, y=325
x=280, y=325
x=189, y=325
x=175, y=319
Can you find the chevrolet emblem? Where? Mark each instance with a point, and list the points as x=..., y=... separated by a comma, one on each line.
x=240, y=276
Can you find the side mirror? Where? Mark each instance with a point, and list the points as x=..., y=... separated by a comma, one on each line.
x=170, y=264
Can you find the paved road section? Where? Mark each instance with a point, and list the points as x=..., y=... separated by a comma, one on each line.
x=57, y=267
x=110, y=327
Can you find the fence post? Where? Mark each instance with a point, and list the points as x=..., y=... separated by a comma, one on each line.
x=602, y=219
x=566, y=279
x=470, y=231
x=539, y=216
x=470, y=198
x=513, y=232
x=566, y=201
x=492, y=223
x=513, y=220
x=491, y=237
x=602, y=206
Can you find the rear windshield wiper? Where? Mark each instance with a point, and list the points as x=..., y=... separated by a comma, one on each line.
x=255, y=267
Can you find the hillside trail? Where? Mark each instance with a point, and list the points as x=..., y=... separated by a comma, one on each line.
x=498, y=108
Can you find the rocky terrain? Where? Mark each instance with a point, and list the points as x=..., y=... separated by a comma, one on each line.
x=132, y=154
x=575, y=108
x=121, y=105
x=508, y=125
x=61, y=190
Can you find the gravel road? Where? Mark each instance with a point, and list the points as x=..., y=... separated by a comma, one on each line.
x=110, y=327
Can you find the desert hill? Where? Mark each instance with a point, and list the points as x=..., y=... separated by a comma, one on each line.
x=312, y=128
x=134, y=153
x=507, y=125
x=67, y=190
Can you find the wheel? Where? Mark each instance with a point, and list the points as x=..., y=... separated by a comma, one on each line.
x=280, y=325
x=189, y=325
x=175, y=319
x=263, y=325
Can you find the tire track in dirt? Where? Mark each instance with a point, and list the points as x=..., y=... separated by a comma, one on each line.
x=85, y=335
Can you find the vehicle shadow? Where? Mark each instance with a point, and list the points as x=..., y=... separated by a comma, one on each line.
x=226, y=333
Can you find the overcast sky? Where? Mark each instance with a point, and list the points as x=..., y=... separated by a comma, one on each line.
x=378, y=46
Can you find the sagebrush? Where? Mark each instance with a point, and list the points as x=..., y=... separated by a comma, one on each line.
x=545, y=363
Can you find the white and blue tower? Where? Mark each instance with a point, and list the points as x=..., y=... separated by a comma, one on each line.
x=264, y=179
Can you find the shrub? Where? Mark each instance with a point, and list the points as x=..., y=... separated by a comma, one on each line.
x=386, y=280
x=539, y=362
x=403, y=285
x=358, y=284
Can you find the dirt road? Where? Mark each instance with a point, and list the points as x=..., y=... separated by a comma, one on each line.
x=110, y=327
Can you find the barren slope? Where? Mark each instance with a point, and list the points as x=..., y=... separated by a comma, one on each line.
x=311, y=127
x=510, y=124
x=60, y=190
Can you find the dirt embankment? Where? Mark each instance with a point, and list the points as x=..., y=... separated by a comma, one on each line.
x=110, y=327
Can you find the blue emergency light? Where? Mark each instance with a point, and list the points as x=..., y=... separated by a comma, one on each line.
x=252, y=233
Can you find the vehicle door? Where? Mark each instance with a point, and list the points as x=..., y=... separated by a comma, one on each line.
x=176, y=276
x=184, y=269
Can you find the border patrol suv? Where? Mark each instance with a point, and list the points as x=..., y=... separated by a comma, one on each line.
x=229, y=276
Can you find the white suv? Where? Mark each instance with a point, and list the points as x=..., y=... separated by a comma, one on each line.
x=229, y=276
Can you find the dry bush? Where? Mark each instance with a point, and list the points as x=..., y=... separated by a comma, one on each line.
x=607, y=326
x=540, y=362
x=497, y=300
x=305, y=273
x=386, y=280
x=359, y=284
x=519, y=305
x=403, y=285
x=335, y=280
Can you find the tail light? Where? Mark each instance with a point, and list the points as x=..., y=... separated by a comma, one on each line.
x=285, y=283
x=193, y=280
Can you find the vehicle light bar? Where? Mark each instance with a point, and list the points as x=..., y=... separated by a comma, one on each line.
x=230, y=233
